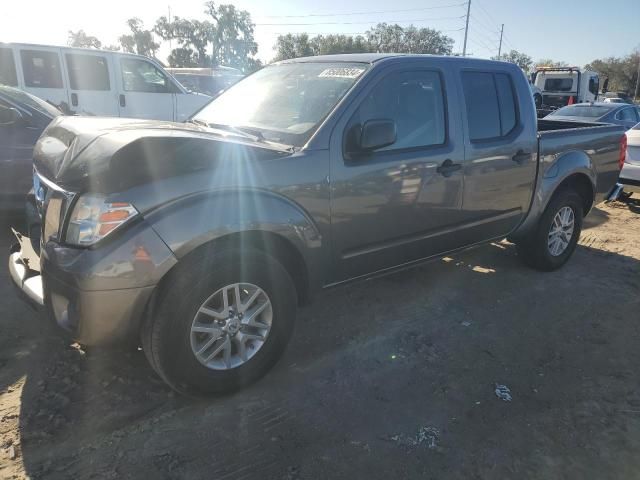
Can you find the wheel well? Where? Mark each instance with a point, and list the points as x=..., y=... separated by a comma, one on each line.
x=270, y=243
x=581, y=184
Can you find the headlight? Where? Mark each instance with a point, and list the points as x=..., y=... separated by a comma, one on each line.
x=93, y=219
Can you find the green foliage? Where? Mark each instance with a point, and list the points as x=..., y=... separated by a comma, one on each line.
x=82, y=40
x=139, y=41
x=521, y=59
x=547, y=62
x=383, y=38
x=621, y=71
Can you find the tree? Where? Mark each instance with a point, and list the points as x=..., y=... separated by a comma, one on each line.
x=140, y=41
x=386, y=38
x=82, y=40
x=521, y=59
x=192, y=36
x=293, y=46
x=547, y=62
x=232, y=39
x=226, y=39
x=622, y=72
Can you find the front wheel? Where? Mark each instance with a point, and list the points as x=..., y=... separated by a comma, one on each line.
x=555, y=237
x=222, y=322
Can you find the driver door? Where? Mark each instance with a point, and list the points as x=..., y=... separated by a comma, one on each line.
x=145, y=91
x=396, y=204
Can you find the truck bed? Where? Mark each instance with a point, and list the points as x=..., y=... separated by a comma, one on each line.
x=570, y=141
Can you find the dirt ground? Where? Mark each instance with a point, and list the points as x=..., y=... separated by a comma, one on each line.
x=390, y=378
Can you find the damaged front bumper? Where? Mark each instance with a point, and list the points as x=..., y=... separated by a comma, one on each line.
x=24, y=268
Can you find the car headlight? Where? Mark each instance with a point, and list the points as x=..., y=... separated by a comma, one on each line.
x=93, y=218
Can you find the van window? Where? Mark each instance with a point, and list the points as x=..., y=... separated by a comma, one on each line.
x=87, y=72
x=8, y=68
x=142, y=76
x=558, y=84
x=41, y=69
x=415, y=101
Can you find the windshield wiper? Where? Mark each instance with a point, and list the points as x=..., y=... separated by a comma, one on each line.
x=247, y=132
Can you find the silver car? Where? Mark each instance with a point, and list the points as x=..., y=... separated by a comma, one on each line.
x=630, y=173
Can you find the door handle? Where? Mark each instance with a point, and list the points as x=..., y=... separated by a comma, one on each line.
x=123, y=101
x=520, y=157
x=448, y=167
x=74, y=99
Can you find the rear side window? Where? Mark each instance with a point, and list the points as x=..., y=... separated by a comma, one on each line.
x=41, y=69
x=414, y=101
x=627, y=115
x=491, y=104
x=8, y=68
x=87, y=72
x=558, y=84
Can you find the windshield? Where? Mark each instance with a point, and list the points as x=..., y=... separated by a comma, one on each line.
x=286, y=103
x=41, y=106
x=582, y=111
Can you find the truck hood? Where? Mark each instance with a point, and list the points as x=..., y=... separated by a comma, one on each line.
x=107, y=155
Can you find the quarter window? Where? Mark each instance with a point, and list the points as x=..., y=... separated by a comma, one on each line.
x=7, y=68
x=87, y=72
x=41, y=69
x=490, y=104
x=414, y=101
x=143, y=76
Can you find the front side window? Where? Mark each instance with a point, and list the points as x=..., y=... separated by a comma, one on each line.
x=41, y=69
x=142, y=76
x=87, y=72
x=414, y=101
x=7, y=68
x=594, y=85
x=285, y=102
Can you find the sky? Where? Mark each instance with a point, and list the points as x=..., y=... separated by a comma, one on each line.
x=574, y=31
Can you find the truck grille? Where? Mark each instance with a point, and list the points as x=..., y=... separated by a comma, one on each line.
x=53, y=203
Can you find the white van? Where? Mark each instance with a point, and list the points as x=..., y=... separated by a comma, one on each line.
x=560, y=84
x=97, y=82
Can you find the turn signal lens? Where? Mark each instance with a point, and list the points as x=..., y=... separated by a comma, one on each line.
x=93, y=218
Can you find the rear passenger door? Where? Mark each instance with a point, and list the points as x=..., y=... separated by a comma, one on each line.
x=91, y=83
x=145, y=90
x=42, y=75
x=500, y=153
x=397, y=204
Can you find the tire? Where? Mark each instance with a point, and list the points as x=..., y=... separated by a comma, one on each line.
x=535, y=250
x=167, y=336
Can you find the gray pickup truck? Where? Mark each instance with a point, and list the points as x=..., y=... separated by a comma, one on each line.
x=201, y=239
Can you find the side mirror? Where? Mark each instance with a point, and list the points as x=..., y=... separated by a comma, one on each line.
x=373, y=135
x=605, y=85
x=10, y=117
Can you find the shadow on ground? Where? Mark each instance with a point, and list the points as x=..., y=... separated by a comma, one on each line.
x=389, y=378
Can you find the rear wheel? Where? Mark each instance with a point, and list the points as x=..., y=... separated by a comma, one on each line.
x=221, y=323
x=555, y=238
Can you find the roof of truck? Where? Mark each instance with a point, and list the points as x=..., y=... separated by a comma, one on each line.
x=377, y=57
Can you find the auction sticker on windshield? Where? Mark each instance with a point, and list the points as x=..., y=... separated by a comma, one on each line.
x=341, y=72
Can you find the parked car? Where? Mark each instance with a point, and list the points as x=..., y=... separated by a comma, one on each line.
x=201, y=239
x=97, y=82
x=23, y=118
x=630, y=173
x=210, y=81
x=599, y=112
x=614, y=100
x=561, y=86
x=622, y=95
